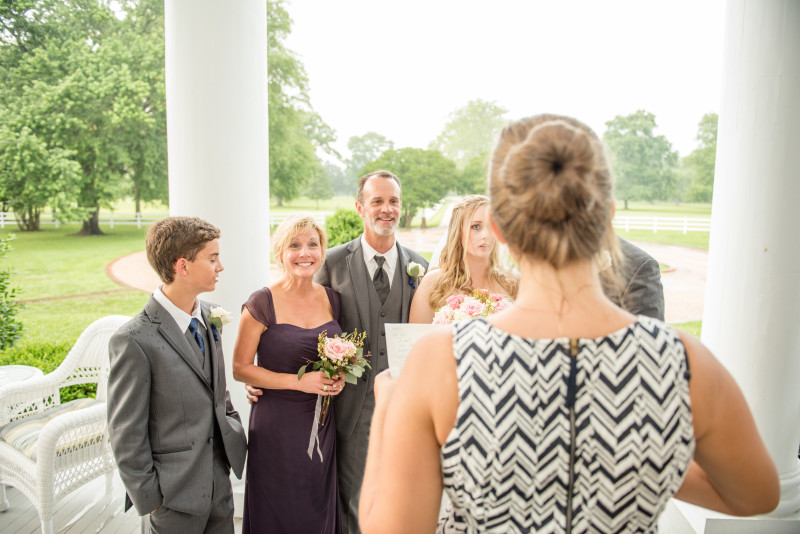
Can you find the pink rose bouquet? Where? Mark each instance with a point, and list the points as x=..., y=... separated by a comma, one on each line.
x=338, y=354
x=479, y=303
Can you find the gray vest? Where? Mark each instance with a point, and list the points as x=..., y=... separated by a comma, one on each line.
x=390, y=312
x=204, y=362
x=204, y=358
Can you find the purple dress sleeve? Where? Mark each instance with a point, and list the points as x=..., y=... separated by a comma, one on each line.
x=260, y=306
x=336, y=302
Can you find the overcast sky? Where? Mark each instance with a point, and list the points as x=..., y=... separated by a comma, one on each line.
x=399, y=68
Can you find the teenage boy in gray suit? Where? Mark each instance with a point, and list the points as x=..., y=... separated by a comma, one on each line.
x=173, y=430
x=373, y=292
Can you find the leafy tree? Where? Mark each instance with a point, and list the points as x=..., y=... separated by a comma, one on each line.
x=426, y=177
x=700, y=164
x=85, y=84
x=642, y=162
x=319, y=187
x=343, y=226
x=473, y=177
x=470, y=132
x=10, y=328
x=295, y=131
x=339, y=181
x=364, y=149
x=32, y=175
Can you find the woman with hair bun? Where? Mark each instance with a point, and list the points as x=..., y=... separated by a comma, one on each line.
x=469, y=261
x=563, y=413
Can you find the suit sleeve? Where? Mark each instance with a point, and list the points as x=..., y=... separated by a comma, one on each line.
x=644, y=294
x=129, y=386
x=322, y=277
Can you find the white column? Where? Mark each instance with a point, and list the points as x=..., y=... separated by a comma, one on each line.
x=216, y=79
x=752, y=306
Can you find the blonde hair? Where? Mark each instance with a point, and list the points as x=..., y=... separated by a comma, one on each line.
x=455, y=277
x=552, y=192
x=292, y=226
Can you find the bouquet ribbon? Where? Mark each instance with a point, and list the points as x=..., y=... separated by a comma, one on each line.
x=315, y=431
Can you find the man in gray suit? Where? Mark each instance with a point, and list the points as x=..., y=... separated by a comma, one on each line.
x=173, y=430
x=640, y=291
x=370, y=274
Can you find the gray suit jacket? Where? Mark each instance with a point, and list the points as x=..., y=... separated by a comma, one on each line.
x=160, y=410
x=641, y=292
x=345, y=272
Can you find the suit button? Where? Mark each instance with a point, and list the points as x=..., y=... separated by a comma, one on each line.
x=383, y=314
x=210, y=440
x=383, y=352
x=383, y=333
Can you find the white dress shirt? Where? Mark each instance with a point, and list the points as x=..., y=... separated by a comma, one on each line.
x=369, y=259
x=181, y=317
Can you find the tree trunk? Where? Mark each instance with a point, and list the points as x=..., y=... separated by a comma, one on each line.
x=423, y=223
x=626, y=204
x=138, y=198
x=28, y=219
x=91, y=226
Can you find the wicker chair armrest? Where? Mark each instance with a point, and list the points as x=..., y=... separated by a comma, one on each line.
x=70, y=433
x=28, y=397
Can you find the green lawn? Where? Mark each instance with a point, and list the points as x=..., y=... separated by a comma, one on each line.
x=663, y=209
x=53, y=264
x=69, y=272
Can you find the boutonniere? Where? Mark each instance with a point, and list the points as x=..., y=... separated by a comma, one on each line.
x=415, y=271
x=218, y=318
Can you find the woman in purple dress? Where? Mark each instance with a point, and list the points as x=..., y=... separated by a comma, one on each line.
x=291, y=483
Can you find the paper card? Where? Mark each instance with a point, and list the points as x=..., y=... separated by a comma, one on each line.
x=400, y=337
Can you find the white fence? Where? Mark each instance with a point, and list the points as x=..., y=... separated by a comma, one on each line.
x=655, y=224
x=8, y=218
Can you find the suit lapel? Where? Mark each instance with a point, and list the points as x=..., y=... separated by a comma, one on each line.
x=404, y=259
x=212, y=347
x=358, y=273
x=172, y=334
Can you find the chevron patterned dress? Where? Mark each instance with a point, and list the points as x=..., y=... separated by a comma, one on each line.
x=585, y=435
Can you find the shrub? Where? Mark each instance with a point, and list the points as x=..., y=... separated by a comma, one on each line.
x=10, y=329
x=343, y=226
x=46, y=356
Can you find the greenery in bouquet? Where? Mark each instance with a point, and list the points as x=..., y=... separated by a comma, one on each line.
x=338, y=354
x=479, y=303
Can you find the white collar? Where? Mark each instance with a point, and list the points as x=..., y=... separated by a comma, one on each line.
x=391, y=256
x=181, y=317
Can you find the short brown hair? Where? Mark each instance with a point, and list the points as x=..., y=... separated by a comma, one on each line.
x=289, y=228
x=173, y=238
x=551, y=190
x=363, y=180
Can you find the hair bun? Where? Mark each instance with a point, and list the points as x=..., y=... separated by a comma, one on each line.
x=548, y=171
x=551, y=190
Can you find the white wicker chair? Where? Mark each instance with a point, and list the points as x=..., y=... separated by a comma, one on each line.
x=72, y=448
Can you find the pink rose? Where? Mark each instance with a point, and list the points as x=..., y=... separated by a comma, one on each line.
x=454, y=301
x=501, y=305
x=337, y=349
x=444, y=315
x=472, y=307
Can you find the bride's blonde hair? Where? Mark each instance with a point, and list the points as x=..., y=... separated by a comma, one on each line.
x=455, y=277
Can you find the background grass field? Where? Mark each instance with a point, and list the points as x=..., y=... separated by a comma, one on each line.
x=62, y=278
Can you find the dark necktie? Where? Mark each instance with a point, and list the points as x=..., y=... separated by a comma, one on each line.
x=381, y=280
x=195, y=330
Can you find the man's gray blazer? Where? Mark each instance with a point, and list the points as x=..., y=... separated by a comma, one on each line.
x=345, y=272
x=641, y=292
x=160, y=409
